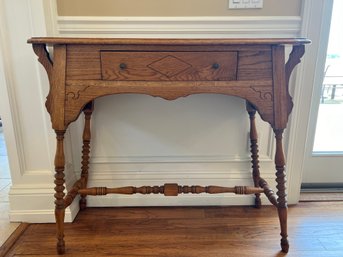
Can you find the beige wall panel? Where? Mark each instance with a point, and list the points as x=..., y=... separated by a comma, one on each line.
x=172, y=8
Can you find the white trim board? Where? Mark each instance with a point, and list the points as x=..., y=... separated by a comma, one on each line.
x=312, y=28
x=185, y=27
x=181, y=159
x=181, y=200
x=42, y=215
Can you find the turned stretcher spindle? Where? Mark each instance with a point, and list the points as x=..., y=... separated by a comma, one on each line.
x=170, y=190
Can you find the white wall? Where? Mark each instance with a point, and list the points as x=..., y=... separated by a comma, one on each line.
x=28, y=136
x=137, y=140
x=173, y=8
x=201, y=139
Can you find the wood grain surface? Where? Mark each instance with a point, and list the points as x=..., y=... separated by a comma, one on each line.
x=160, y=66
x=169, y=41
x=315, y=231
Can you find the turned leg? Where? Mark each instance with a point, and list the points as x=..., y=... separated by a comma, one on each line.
x=281, y=180
x=86, y=137
x=59, y=189
x=254, y=151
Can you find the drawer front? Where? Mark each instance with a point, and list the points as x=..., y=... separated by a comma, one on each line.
x=168, y=66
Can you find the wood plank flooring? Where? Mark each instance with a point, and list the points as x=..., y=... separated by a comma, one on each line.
x=315, y=229
x=6, y=228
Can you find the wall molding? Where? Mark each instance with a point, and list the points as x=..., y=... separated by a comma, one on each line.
x=8, y=101
x=181, y=200
x=136, y=177
x=41, y=215
x=317, y=19
x=186, y=27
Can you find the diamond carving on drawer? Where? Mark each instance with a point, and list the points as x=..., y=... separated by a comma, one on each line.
x=169, y=66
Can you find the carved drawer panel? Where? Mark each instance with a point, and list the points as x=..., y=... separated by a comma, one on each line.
x=168, y=66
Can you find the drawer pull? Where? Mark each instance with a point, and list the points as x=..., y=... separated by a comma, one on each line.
x=122, y=66
x=215, y=66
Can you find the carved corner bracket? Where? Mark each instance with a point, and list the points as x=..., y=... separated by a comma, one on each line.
x=294, y=59
x=44, y=58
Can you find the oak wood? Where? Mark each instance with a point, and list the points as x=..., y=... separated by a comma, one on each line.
x=85, y=69
x=294, y=58
x=255, y=64
x=73, y=192
x=160, y=66
x=44, y=58
x=280, y=93
x=268, y=191
x=59, y=189
x=80, y=92
x=86, y=62
x=254, y=151
x=86, y=138
x=315, y=231
x=170, y=189
x=169, y=41
x=56, y=97
x=281, y=193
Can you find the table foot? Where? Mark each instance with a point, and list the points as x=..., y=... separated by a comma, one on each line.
x=60, y=247
x=284, y=244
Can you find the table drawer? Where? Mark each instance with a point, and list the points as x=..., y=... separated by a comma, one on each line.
x=168, y=66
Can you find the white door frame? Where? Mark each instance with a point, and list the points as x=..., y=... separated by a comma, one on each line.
x=316, y=165
x=314, y=27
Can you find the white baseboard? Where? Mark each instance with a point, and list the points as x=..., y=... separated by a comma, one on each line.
x=181, y=200
x=40, y=216
x=36, y=205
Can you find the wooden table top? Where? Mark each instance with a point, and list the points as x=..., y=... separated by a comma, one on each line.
x=169, y=41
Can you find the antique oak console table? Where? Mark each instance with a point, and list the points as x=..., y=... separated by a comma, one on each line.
x=84, y=69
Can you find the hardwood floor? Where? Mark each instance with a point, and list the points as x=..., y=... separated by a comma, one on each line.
x=6, y=228
x=315, y=229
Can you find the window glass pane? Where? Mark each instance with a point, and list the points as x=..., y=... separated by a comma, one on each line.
x=329, y=129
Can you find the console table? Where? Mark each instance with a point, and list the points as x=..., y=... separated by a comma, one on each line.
x=83, y=69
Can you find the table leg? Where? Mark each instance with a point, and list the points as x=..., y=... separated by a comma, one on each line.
x=86, y=137
x=254, y=151
x=59, y=189
x=282, y=196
